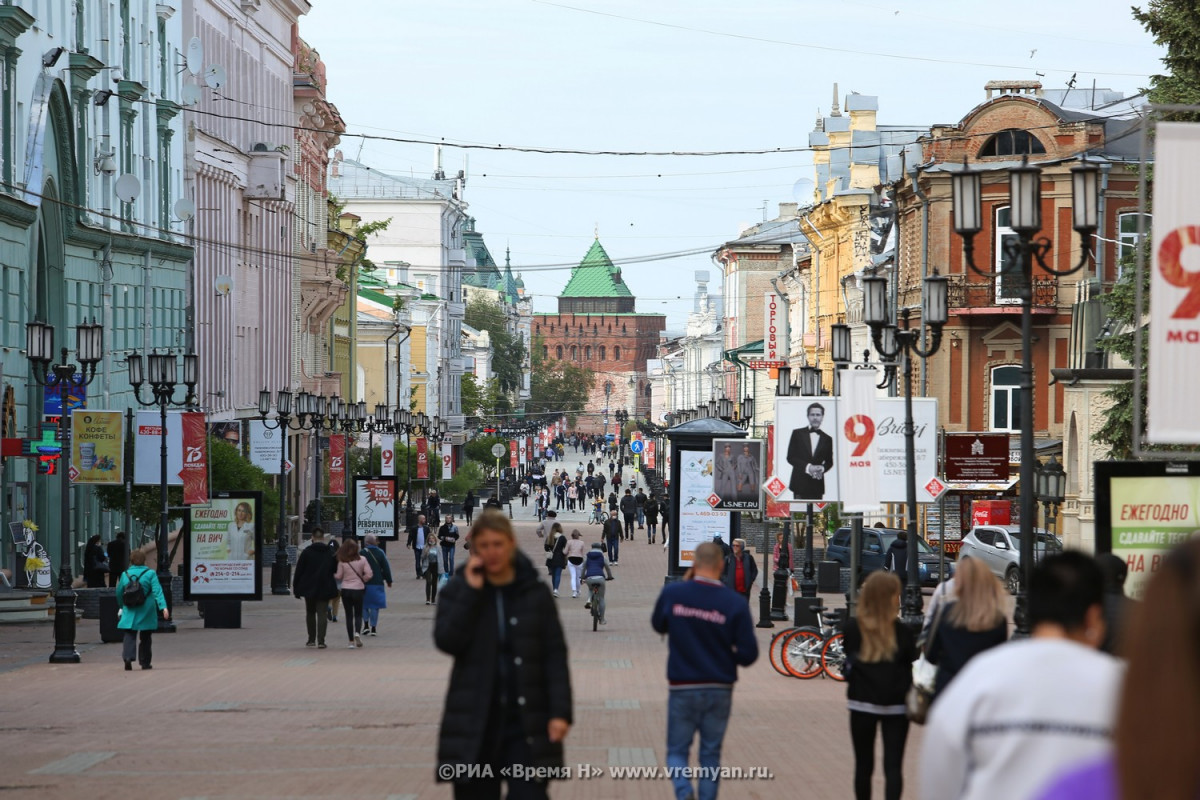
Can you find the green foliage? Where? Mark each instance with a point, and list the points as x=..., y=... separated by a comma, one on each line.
x=479, y=450
x=469, y=475
x=1175, y=26
x=508, y=351
x=558, y=387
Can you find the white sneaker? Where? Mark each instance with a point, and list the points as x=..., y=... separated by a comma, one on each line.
x=351, y=645
x=556, y=592
x=574, y=594
x=357, y=641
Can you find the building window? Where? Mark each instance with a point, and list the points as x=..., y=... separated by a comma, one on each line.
x=558, y=352
x=1127, y=233
x=587, y=352
x=1006, y=409
x=546, y=352
x=1012, y=142
x=574, y=353
x=616, y=352
x=1008, y=278
x=603, y=352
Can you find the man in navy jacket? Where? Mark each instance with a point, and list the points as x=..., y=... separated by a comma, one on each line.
x=710, y=633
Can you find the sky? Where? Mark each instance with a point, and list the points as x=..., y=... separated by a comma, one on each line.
x=675, y=76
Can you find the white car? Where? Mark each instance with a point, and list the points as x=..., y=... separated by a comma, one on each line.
x=999, y=546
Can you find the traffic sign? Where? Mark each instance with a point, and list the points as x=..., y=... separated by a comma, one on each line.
x=498, y=450
x=775, y=486
x=637, y=446
x=287, y=468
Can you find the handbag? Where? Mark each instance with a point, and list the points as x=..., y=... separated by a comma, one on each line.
x=920, y=694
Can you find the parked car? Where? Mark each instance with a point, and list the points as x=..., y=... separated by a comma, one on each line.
x=875, y=544
x=999, y=546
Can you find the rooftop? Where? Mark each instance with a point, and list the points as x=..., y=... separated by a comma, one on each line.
x=596, y=276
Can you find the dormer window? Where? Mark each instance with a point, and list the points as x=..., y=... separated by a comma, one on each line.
x=1012, y=142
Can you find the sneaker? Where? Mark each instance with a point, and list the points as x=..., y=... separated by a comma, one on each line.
x=310, y=643
x=320, y=645
x=556, y=592
x=333, y=619
x=588, y=604
x=372, y=631
x=357, y=642
x=603, y=622
x=574, y=594
x=426, y=602
x=366, y=629
x=350, y=646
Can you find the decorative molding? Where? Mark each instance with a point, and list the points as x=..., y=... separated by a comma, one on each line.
x=14, y=21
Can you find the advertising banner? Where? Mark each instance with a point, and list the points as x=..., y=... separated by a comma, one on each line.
x=374, y=506
x=530, y=454
x=1174, y=330
x=266, y=446
x=447, y=461
x=522, y=455
x=195, y=458
x=698, y=521
x=222, y=547
x=889, y=448
x=775, y=509
x=856, y=441
x=512, y=453
x=97, y=447
x=387, y=454
x=775, y=331
x=147, y=453
x=737, y=474
x=650, y=448
x=806, y=454
x=977, y=457
x=337, y=465
x=1152, y=507
x=422, y=458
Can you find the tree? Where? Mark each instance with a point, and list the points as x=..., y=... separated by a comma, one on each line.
x=508, y=351
x=558, y=387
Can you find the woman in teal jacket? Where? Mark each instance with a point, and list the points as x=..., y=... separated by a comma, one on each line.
x=140, y=622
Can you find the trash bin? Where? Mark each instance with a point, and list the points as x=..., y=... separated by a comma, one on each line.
x=829, y=576
x=222, y=613
x=108, y=619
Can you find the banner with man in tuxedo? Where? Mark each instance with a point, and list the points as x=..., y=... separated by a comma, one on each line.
x=807, y=464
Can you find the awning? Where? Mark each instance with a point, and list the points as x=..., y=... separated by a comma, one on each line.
x=971, y=486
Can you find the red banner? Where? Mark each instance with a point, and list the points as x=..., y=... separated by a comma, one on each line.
x=650, y=454
x=337, y=465
x=529, y=449
x=195, y=458
x=422, y=458
x=775, y=509
x=617, y=430
x=512, y=454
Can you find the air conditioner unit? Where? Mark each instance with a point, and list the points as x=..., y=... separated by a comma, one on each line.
x=266, y=177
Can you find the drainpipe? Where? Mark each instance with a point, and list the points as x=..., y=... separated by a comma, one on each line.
x=1102, y=205
x=915, y=176
x=816, y=278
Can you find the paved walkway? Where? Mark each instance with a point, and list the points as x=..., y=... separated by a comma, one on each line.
x=252, y=713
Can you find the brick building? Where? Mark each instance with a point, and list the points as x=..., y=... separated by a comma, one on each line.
x=597, y=326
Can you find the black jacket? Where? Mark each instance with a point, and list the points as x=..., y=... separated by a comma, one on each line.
x=557, y=551
x=628, y=505
x=118, y=556
x=749, y=566
x=314, y=573
x=881, y=683
x=466, y=628
x=896, y=559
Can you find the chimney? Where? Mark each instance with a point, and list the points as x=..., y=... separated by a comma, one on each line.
x=788, y=210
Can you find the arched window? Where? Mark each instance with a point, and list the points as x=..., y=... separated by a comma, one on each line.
x=1006, y=394
x=1012, y=142
x=574, y=353
x=546, y=351
x=587, y=352
x=558, y=352
x=603, y=352
x=616, y=352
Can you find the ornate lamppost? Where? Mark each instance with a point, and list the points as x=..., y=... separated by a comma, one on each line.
x=162, y=378
x=280, y=569
x=39, y=349
x=1021, y=251
x=1051, y=483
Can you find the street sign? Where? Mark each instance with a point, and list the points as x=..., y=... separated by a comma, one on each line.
x=498, y=450
x=977, y=457
x=775, y=486
x=935, y=488
x=637, y=446
x=73, y=473
x=287, y=468
x=762, y=363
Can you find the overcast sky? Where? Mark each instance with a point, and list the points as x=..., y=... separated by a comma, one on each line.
x=672, y=75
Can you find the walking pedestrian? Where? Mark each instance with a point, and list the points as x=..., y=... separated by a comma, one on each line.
x=664, y=511
x=418, y=537
x=545, y=526
x=895, y=560
x=469, y=506
x=639, y=507
x=709, y=634
x=652, y=509
x=969, y=623
x=354, y=572
x=433, y=572
x=1117, y=607
x=628, y=509
x=524, y=494
x=448, y=539
x=118, y=558
x=575, y=552
x=741, y=569
x=335, y=602
x=572, y=496
x=434, y=502
x=509, y=699
x=612, y=539
x=880, y=650
x=95, y=565
x=313, y=582
x=556, y=561
x=140, y=622
x=375, y=597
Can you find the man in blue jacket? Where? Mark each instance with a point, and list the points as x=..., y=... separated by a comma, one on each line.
x=710, y=633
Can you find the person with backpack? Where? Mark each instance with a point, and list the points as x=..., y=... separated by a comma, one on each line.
x=895, y=560
x=140, y=599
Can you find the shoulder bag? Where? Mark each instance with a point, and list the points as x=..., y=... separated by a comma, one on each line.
x=920, y=694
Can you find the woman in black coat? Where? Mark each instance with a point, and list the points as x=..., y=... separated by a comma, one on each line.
x=509, y=700
x=313, y=581
x=95, y=565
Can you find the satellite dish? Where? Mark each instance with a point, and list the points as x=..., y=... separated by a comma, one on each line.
x=223, y=285
x=184, y=209
x=802, y=190
x=190, y=94
x=128, y=188
x=214, y=76
x=195, y=55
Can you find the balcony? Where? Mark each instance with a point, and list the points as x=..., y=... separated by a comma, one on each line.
x=988, y=296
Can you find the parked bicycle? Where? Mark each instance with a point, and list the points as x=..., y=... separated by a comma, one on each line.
x=809, y=651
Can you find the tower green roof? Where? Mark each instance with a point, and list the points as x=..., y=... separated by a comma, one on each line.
x=596, y=276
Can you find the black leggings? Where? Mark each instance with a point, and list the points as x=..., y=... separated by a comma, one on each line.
x=352, y=605
x=894, y=728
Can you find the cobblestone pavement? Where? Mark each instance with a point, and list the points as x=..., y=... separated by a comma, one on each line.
x=252, y=713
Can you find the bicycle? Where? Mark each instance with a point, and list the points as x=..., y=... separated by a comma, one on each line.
x=808, y=651
x=594, y=602
x=598, y=515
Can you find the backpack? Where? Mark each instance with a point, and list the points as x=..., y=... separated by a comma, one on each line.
x=134, y=594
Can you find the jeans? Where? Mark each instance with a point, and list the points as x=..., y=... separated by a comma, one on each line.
x=352, y=607
x=598, y=582
x=448, y=559
x=641, y=516
x=894, y=730
x=556, y=577
x=629, y=526
x=130, y=650
x=651, y=529
x=431, y=584
x=316, y=618
x=419, y=560
x=370, y=617
x=690, y=711
x=614, y=549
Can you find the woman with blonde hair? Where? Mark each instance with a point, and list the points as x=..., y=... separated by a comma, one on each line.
x=972, y=622
x=880, y=650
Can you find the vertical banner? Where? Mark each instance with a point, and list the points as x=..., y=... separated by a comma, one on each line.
x=530, y=454
x=775, y=332
x=522, y=455
x=857, y=463
x=617, y=431
x=387, y=454
x=650, y=462
x=195, y=459
x=222, y=548
x=698, y=521
x=512, y=453
x=374, y=505
x=337, y=465
x=422, y=458
x=807, y=464
x=775, y=509
x=266, y=446
x=147, y=449
x=1174, y=330
x=97, y=447
x=447, y=461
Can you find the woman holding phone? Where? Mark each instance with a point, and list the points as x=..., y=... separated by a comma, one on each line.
x=499, y=622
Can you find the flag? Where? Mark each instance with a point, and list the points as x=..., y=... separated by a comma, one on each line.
x=195, y=458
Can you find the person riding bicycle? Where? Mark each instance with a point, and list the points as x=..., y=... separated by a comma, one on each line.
x=596, y=573
x=597, y=511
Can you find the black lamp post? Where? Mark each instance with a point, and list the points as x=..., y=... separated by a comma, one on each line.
x=280, y=569
x=892, y=342
x=319, y=420
x=162, y=379
x=1022, y=250
x=39, y=348
x=1051, y=483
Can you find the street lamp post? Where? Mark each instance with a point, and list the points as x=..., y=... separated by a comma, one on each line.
x=810, y=386
x=280, y=569
x=1021, y=251
x=892, y=342
x=1051, y=489
x=39, y=348
x=162, y=378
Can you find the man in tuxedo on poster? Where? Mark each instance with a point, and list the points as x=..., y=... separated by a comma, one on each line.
x=810, y=453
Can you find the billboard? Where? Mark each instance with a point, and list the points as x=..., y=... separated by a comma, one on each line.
x=222, y=548
x=147, y=444
x=806, y=455
x=736, y=475
x=698, y=521
x=98, y=447
x=374, y=506
x=977, y=457
x=267, y=446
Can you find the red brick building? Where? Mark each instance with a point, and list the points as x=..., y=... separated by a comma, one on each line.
x=597, y=326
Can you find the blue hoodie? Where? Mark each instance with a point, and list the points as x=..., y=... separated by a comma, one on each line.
x=710, y=632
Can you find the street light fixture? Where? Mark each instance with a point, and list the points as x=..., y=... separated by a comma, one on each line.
x=280, y=569
x=1051, y=483
x=39, y=348
x=1021, y=251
